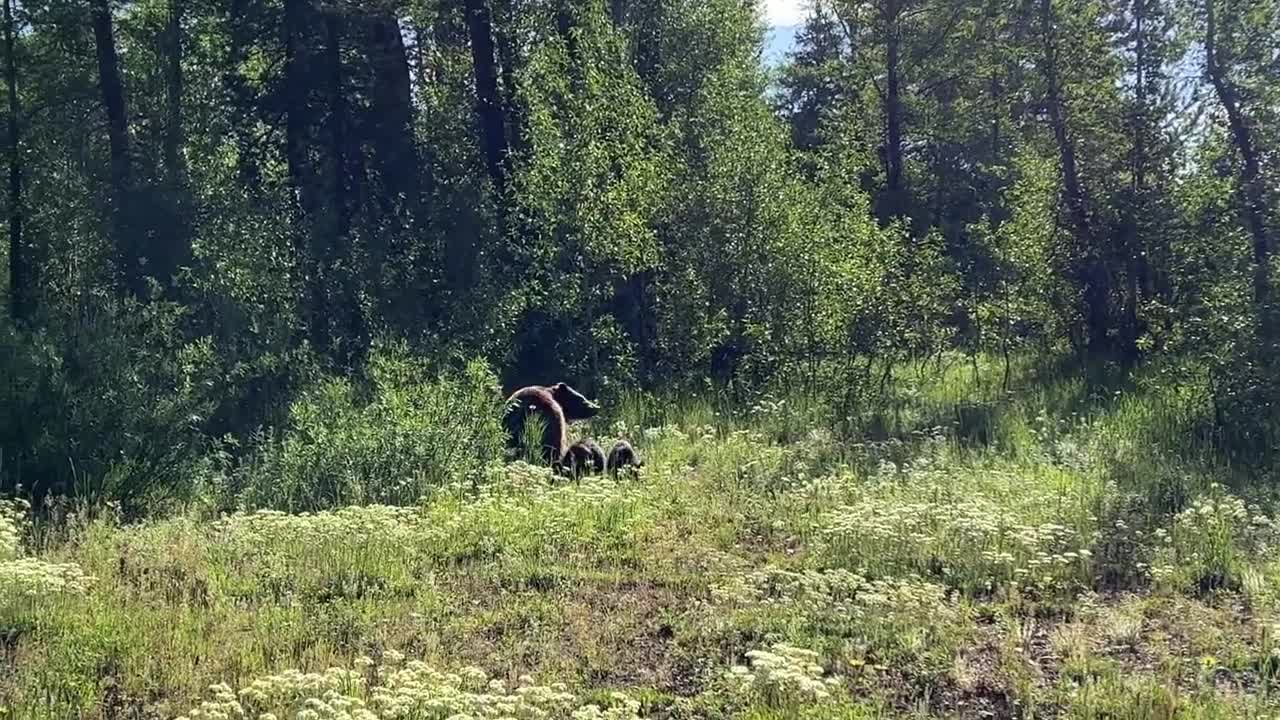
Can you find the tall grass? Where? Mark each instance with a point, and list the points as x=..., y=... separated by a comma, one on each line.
x=1064, y=549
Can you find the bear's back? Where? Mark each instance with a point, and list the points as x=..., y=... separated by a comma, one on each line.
x=536, y=399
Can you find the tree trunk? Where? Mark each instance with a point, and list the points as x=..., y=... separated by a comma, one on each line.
x=332, y=243
x=173, y=161
x=893, y=115
x=296, y=94
x=118, y=137
x=393, y=116
x=240, y=99
x=401, y=198
x=1090, y=270
x=488, y=101
x=20, y=275
x=297, y=97
x=346, y=167
x=994, y=89
x=507, y=59
x=337, y=123
x=1136, y=270
x=176, y=253
x=1251, y=188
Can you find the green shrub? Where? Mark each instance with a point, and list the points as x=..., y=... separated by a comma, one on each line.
x=388, y=439
x=107, y=406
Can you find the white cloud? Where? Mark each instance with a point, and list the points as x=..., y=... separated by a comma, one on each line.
x=784, y=12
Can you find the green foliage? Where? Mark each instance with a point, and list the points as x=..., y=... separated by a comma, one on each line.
x=595, y=186
x=736, y=576
x=1212, y=543
x=829, y=305
x=617, y=194
x=108, y=406
x=531, y=438
x=400, y=434
x=1018, y=294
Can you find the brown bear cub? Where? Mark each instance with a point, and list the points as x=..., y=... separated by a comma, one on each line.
x=584, y=457
x=623, y=455
x=558, y=405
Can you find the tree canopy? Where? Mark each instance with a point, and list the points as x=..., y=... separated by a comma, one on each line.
x=211, y=203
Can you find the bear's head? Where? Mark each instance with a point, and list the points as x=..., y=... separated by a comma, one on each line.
x=575, y=405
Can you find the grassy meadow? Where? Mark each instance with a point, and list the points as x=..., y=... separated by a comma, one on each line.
x=1070, y=547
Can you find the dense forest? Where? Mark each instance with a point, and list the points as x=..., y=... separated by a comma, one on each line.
x=220, y=208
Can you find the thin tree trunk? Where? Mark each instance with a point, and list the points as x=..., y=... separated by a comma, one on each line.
x=240, y=99
x=173, y=138
x=488, y=101
x=296, y=94
x=307, y=256
x=393, y=114
x=395, y=146
x=20, y=275
x=1134, y=246
x=507, y=60
x=337, y=129
x=995, y=118
x=177, y=252
x=118, y=137
x=1251, y=188
x=1091, y=272
x=1140, y=94
x=893, y=114
x=331, y=243
x=342, y=298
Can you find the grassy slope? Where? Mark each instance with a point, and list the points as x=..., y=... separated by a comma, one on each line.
x=1060, y=551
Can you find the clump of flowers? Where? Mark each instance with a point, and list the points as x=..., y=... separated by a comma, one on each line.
x=13, y=519
x=1212, y=541
x=969, y=541
x=665, y=432
x=805, y=591
x=891, y=619
x=32, y=577
x=23, y=577
x=396, y=689
x=783, y=675
x=621, y=708
x=383, y=547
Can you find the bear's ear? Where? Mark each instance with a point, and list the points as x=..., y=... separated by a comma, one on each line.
x=559, y=386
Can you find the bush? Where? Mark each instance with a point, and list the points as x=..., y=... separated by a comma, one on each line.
x=388, y=439
x=107, y=406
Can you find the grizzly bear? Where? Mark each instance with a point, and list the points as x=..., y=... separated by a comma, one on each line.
x=558, y=405
x=623, y=455
x=584, y=457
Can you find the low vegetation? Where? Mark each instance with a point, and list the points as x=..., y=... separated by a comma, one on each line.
x=760, y=566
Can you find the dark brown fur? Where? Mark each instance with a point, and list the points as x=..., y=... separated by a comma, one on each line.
x=576, y=406
x=623, y=455
x=558, y=405
x=584, y=457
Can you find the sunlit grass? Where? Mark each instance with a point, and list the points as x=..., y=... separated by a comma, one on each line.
x=965, y=553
